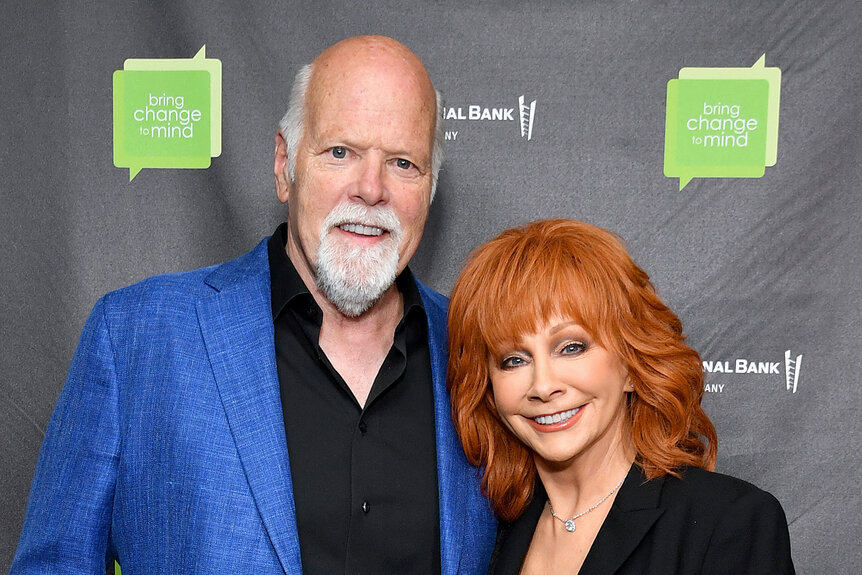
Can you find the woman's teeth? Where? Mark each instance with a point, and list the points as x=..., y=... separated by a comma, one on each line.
x=557, y=417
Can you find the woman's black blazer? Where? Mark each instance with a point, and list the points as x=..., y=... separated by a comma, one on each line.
x=700, y=524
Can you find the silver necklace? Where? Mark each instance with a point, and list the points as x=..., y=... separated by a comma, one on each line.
x=570, y=522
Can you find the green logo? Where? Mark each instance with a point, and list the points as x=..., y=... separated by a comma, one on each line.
x=167, y=113
x=722, y=122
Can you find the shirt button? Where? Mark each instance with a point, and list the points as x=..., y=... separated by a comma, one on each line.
x=366, y=507
x=363, y=427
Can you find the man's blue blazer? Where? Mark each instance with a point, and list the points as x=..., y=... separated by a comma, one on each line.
x=167, y=449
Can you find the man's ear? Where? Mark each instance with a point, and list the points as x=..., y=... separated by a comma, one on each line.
x=282, y=182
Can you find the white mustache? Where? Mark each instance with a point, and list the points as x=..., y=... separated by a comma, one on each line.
x=348, y=213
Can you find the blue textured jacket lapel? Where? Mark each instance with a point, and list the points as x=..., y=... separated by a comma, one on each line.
x=236, y=323
x=466, y=522
x=450, y=477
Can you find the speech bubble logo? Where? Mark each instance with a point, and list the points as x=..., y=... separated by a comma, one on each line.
x=167, y=113
x=722, y=122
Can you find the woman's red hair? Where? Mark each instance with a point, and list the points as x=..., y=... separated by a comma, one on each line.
x=513, y=285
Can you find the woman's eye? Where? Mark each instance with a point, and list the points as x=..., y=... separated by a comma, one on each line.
x=573, y=348
x=403, y=164
x=338, y=152
x=510, y=362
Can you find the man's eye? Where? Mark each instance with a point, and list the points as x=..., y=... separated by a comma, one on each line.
x=403, y=164
x=338, y=152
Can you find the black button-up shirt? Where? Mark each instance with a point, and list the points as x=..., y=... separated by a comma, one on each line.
x=364, y=479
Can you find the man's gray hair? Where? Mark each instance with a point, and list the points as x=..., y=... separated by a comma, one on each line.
x=292, y=125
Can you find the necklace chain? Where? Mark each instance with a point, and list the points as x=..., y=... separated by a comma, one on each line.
x=570, y=522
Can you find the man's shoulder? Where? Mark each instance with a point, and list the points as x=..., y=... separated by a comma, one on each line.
x=178, y=289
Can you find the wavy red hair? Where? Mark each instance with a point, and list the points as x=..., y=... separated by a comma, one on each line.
x=518, y=281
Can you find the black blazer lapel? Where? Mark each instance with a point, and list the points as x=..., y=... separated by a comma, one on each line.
x=513, y=539
x=635, y=510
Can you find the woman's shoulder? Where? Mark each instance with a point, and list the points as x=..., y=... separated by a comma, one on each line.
x=724, y=522
x=696, y=478
x=709, y=489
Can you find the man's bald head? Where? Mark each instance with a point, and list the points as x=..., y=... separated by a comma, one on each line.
x=346, y=72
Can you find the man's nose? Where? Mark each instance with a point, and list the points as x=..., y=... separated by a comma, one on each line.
x=371, y=186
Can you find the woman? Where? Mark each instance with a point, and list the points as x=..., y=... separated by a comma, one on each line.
x=572, y=387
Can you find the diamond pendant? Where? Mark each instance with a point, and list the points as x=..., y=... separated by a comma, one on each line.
x=570, y=525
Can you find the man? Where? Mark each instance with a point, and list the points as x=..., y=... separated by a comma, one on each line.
x=285, y=411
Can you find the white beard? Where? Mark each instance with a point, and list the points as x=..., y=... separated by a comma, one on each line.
x=351, y=277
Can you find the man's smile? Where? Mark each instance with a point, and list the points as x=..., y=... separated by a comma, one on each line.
x=362, y=229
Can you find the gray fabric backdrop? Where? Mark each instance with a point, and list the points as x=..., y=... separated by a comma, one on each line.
x=754, y=267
